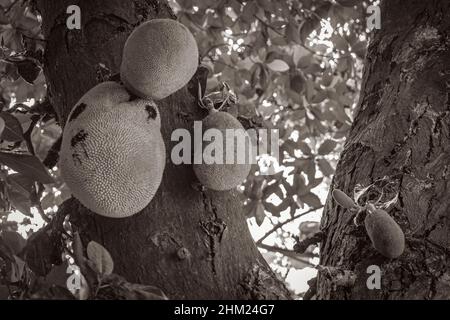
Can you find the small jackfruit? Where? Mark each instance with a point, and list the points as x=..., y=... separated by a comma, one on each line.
x=386, y=235
x=344, y=200
x=112, y=153
x=159, y=58
x=224, y=176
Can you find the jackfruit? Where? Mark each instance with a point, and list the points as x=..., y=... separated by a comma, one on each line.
x=386, y=235
x=344, y=200
x=224, y=176
x=112, y=153
x=159, y=58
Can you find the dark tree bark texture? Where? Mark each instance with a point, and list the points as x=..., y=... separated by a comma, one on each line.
x=401, y=131
x=190, y=243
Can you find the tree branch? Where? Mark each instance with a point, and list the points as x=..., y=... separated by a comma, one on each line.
x=288, y=253
x=279, y=225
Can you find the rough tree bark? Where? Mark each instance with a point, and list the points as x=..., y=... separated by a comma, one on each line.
x=223, y=261
x=401, y=131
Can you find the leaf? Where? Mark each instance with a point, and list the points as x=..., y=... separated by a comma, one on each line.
x=348, y=3
x=327, y=146
x=339, y=42
x=309, y=167
x=144, y=292
x=14, y=241
x=259, y=213
x=12, y=39
x=101, y=258
x=327, y=78
x=12, y=130
x=311, y=200
x=273, y=189
x=310, y=91
x=319, y=96
x=42, y=253
x=299, y=182
x=77, y=247
x=289, y=146
x=28, y=70
x=84, y=292
x=20, y=201
x=308, y=228
x=270, y=256
x=19, y=190
x=63, y=276
x=297, y=83
x=21, y=183
x=26, y=23
x=58, y=275
x=17, y=269
x=276, y=210
x=303, y=146
x=307, y=27
x=248, y=11
x=2, y=126
x=48, y=201
x=360, y=49
x=27, y=165
x=300, y=52
x=338, y=111
x=293, y=32
x=4, y=292
x=314, y=183
x=267, y=5
x=344, y=200
x=325, y=167
x=297, y=263
x=278, y=65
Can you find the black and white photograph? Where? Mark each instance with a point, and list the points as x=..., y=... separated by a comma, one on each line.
x=247, y=151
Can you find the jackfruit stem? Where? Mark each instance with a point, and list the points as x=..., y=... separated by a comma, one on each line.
x=370, y=208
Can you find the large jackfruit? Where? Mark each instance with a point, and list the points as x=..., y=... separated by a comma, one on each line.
x=224, y=176
x=113, y=154
x=159, y=58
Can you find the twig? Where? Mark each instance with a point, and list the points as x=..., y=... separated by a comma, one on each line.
x=275, y=228
x=211, y=49
x=312, y=290
x=296, y=42
x=221, y=62
x=10, y=6
x=41, y=212
x=289, y=253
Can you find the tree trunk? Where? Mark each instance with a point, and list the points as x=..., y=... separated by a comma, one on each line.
x=401, y=131
x=222, y=260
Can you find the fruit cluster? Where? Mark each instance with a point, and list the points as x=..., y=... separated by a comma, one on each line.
x=385, y=234
x=113, y=154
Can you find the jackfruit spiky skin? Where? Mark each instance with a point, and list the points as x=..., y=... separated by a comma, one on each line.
x=112, y=153
x=222, y=177
x=159, y=58
x=108, y=95
x=386, y=235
